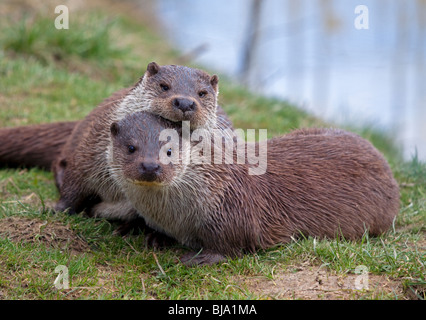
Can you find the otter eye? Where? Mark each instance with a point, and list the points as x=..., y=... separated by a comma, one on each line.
x=164, y=87
x=131, y=148
x=169, y=152
x=202, y=93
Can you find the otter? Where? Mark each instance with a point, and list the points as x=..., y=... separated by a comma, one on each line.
x=34, y=145
x=82, y=174
x=323, y=183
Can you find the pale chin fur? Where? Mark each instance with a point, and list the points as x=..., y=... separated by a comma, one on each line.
x=147, y=183
x=173, y=210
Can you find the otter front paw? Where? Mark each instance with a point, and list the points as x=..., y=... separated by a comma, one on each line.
x=63, y=206
x=157, y=240
x=205, y=257
x=134, y=227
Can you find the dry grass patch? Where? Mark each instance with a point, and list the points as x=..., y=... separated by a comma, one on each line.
x=320, y=283
x=52, y=234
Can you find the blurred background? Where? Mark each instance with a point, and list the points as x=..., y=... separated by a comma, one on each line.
x=310, y=53
x=299, y=60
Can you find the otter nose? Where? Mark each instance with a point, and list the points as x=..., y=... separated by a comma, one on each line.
x=184, y=105
x=149, y=171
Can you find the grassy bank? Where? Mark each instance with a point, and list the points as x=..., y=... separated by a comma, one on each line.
x=48, y=75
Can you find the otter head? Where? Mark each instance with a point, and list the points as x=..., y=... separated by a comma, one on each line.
x=138, y=152
x=178, y=93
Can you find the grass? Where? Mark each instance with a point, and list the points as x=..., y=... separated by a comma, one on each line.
x=49, y=75
x=88, y=40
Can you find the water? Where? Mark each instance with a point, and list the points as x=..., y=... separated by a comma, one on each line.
x=311, y=53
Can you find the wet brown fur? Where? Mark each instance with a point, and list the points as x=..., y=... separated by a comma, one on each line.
x=79, y=132
x=35, y=145
x=318, y=182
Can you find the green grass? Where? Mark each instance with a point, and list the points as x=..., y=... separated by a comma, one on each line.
x=49, y=75
x=87, y=39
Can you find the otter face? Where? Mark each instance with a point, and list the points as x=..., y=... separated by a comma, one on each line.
x=179, y=93
x=138, y=153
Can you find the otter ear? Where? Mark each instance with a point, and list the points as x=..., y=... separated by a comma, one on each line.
x=152, y=68
x=115, y=129
x=214, y=80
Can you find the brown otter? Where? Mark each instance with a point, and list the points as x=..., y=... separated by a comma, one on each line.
x=34, y=145
x=318, y=182
x=172, y=92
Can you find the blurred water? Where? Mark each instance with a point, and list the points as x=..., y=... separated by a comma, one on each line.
x=310, y=53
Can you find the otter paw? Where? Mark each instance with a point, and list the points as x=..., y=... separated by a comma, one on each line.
x=205, y=257
x=157, y=240
x=62, y=206
x=134, y=227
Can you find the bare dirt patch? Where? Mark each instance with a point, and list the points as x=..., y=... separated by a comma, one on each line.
x=50, y=233
x=319, y=283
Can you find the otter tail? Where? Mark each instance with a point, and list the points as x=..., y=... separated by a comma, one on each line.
x=35, y=145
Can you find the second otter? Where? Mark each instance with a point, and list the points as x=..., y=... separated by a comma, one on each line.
x=318, y=182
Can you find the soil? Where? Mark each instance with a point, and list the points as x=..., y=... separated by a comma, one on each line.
x=319, y=283
x=304, y=281
x=50, y=233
